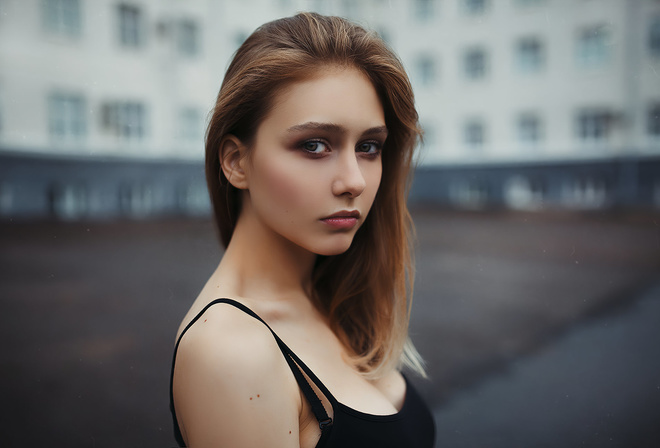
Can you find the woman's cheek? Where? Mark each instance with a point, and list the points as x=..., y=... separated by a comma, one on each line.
x=287, y=186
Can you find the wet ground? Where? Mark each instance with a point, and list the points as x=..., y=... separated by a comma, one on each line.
x=538, y=329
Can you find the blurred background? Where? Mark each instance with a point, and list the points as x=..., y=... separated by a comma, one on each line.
x=536, y=200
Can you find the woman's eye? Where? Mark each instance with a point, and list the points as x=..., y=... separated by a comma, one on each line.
x=369, y=147
x=314, y=146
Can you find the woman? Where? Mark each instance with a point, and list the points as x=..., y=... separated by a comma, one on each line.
x=307, y=156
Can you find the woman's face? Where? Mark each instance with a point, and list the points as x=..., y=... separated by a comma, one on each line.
x=315, y=165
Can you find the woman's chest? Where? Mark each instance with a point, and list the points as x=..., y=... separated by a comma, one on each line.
x=322, y=352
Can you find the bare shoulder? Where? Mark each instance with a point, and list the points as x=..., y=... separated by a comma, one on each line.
x=225, y=335
x=232, y=385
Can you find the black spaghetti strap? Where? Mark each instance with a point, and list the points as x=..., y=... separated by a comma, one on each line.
x=312, y=376
x=317, y=406
x=294, y=362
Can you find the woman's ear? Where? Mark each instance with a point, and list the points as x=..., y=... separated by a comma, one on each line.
x=232, y=160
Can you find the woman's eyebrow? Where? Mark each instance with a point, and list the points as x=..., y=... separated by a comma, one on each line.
x=331, y=127
x=378, y=130
x=316, y=126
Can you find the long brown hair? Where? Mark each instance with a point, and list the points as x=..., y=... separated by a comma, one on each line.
x=366, y=291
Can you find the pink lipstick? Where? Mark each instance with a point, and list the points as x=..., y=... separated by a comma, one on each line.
x=343, y=220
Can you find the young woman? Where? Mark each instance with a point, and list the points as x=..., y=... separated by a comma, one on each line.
x=297, y=338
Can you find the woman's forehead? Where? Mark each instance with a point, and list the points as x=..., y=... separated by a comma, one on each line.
x=340, y=96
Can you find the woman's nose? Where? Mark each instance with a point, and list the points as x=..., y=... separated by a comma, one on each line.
x=349, y=180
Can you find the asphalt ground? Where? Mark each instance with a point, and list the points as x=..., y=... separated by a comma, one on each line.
x=89, y=312
x=598, y=385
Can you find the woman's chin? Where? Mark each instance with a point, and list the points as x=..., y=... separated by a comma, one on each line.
x=331, y=253
x=334, y=249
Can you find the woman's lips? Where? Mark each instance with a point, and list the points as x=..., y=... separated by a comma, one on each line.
x=344, y=220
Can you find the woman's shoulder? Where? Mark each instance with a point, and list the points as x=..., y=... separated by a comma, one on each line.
x=229, y=357
x=222, y=333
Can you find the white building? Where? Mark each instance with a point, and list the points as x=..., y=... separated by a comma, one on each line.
x=102, y=77
x=508, y=85
x=510, y=80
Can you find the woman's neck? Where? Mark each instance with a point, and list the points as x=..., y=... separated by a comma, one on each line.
x=260, y=263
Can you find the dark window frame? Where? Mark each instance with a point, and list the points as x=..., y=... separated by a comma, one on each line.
x=130, y=26
x=475, y=63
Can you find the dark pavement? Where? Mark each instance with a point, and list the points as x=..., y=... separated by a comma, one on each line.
x=597, y=386
x=512, y=311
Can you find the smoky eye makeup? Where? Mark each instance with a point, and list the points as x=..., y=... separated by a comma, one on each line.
x=369, y=146
x=319, y=147
x=312, y=147
x=315, y=146
x=369, y=149
x=315, y=139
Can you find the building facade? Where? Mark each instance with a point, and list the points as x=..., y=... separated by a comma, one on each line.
x=525, y=103
x=537, y=103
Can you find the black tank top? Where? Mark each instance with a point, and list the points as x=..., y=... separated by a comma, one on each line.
x=412, y=426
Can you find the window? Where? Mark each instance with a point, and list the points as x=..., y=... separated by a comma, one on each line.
x=594, y=126
x=66, y=117
x=191, y=124
x=192, y=198
x=424, y=9
x=69, y=201
x=586, y=192
x=529, y=129
x=130, y=26
x=188, y=38
x=425, y=69
x=593, y=46
x=7, y=198
x=474, y=7
x=472, y=193
x=474, y=134
x=524, y=193
x=653, y=120
x=126, y=120
x=529, y=55
x=654, y=38
x=62, y=17
x=475, y=64
x=136, y=200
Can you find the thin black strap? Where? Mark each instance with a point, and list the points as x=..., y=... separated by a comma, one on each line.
x=283, y=347
x=314, y=401
x=317, y=407
x=294, y=362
